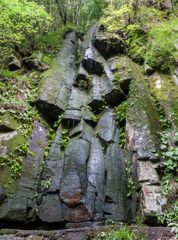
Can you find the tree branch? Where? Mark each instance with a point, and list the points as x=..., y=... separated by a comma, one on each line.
x=173, y=8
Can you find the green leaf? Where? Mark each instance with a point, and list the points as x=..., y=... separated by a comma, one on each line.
x=163, y=146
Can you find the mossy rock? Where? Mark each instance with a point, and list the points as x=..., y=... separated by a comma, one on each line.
x=166, y=91
x=8, y=123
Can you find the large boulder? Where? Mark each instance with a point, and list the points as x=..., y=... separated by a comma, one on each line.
x=50, y=209
x=17, y=62
x=55, y=86
x=108, y=44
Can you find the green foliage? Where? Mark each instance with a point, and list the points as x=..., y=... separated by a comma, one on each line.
x=162, y=48
x=121, y=72
x=120, y=112
x=57, y=123
x=169, y=155
x=20, y=21
x=122, y=233
x=170, y=215
x=16, y=92
x=75, y=12
x=174, y=228
x=14, y=160
x=64, y=137
x=52, y=41
x=85, y=84
x=95, y=118
x=130, y=182
x=50, y=137
x=148, y=33
x=47, y=184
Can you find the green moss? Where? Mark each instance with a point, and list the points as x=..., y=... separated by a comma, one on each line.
x=14, y=142
x=141, y=109
x=48, y=234
x=166, y=91
x=8, y=231
x=39, y=142
x=9, y=121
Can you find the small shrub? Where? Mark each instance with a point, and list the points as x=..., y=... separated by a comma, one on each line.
x=123, y=233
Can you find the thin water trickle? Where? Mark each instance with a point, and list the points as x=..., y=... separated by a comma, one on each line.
x=68, y=124
x=93, y=32
x=73, y=123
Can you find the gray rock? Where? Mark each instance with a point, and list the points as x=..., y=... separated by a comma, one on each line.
x=93, y=61
x=76, y=155
x=31, y=164
x=153, y=202
x=7, y=123
x=77, y=99
x=84, y=225
x=95, y=100
x=110, y=92
x=109, y=44
x=83, y=130
x=82, y=74
x=87, y=116
x=14, y=209
x=95, y=168
x=2, y=194
x=55, y=86
x=118, y=65
x=116, y=183
x=50, y=210
x=147, y=173
x=148, y=70
x=106, y=126
x=70, y=189
x=71, y=118
x=54, y=170
x=90, y=199
x=98, y=210
x=34, y=61
x=16, y=63
x=55, y=149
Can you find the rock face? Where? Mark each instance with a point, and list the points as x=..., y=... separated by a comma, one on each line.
x=84, y=178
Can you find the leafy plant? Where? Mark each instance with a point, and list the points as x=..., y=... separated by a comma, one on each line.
x=130, y=182
x=47, y=184
x=169, y=155
x=56, y=124
x=85, y=83
x=23, y=20
x=14, y=160
x=122, y=233
x=174, y=228
x=95, y=118
x=120, y=113
x=65, y=138
x=148, y=33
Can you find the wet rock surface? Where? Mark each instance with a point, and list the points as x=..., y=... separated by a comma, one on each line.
x=80, y=178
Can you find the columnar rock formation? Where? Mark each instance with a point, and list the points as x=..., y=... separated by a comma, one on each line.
x=86, y=180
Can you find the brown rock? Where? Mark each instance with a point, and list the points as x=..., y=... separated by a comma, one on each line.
x=77, y=214
x=70, y=189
